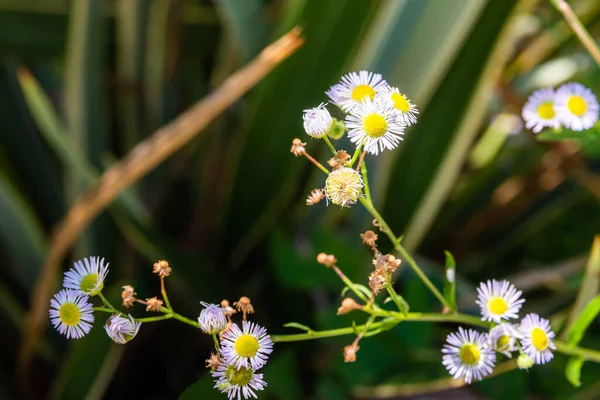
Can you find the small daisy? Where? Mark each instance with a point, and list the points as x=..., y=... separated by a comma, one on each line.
x=247, y=347
x=374, y=125
x=343, y=186
x=212, y=318
x=317, y=121
x=87, y=276
x=238, y=382
x=406, y=112
x=71, y=313
x=355, y=88
x=576, y=106
x=121, y=329
x=498, y=300
x=468, y=355
x=537, y=338
x=540, y=110
x=503, y=338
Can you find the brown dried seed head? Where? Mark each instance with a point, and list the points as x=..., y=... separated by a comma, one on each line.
x=298, y=147
x=369, y=238
x=214, y=361
x=128, y=296
x=327, y=260
x=227, y=309
x=162, y=268
x=339, y=160
x=315, y=196
x=348, y=304
x=377, y=280
x=392, y=263
x=244, y=305
x=350, y=352
x=154, y=304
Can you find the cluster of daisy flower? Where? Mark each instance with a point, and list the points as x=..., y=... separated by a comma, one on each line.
x=572, y=105
x=471, y=355
x=240, y=353
x=376, y=115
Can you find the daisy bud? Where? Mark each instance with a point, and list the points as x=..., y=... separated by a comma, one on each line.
x=154, y=304
x=524, y=361
x=121, y=330
x=315, y=196
x=162, y=268
x=350, y=352
x=327, y=260
x=337, y=130
x=298, y=148
x=128, y=295
x=244, y=305
x=369, y=238
x=348, y=304
x=317, y=121
x=212, y=319
x=343, y=186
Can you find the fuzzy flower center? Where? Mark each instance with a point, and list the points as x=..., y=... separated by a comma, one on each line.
x=469, y=354
x=246, y=345
x=343, y=186
x=539, y=339
x=503, y=342
x=497, y=305
x=546, y=110
x=400, y=102
x=375, y=125
x=70, y=314
x=362, y=91
x=88, y=283
x=240, y=377
x=577, y=105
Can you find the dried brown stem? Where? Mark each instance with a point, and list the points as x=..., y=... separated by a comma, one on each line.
x=141, y=160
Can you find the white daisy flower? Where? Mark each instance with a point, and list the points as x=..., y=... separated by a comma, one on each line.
x=247, y=347
x=374, y=125
x=343, y=186
x=238, y=382
x=503, y=338
x=576, y=106
x=406, y=112
x=537, y=338
x=498, y=300
x=71, y=313
x=540, y=110
x=121, y=329
x=317, y=121
x=468, y=355
x=87, y=276
x=212, y=318
x=355, y=88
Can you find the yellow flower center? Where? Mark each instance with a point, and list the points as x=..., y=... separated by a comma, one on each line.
x=241, y=377
x=88, y=284
x=246, y=345
x=469, y=354
x=539, y=339
x=362, y=91
x=503, y=342
x=343, y=186
x=400, y=102
x=577, y=105
x=546, y=110
x=497, y=305
x=69, y=314
x=375, y=125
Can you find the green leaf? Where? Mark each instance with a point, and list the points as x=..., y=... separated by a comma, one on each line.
x=589, y=313
x=246, y=23
x=450, y=280
x=573, y=370
x=589, y=135
x=298, y=326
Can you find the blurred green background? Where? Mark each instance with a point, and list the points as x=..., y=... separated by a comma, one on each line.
x=228, y=210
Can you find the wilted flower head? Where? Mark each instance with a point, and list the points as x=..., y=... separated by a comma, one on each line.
x=348, y=305
x=244, y=305
x=315, y=196
x=327, y=260
x=369, y=238
x=128, y=295
x=350, y=352
x=227, y=309
x=71, y=313
x=214, y=361
x=154, y=304
x=212, y=319
x=87, y=276
x=377, y=280
x=121, y=329
x=386, y=263
x=340, y=159
x=317, y=121
x=298, y=147
x=343, y=186
x=162, y=268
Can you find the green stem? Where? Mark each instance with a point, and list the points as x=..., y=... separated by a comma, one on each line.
x=333, y=150
x=107, y=310
x=216, y=341
x=106, y=302
x=357, y=153
x=403, y=253
x=185, y=320
x=363, y=171
x=587, y=354
x=164, y=294
x=398, y=300
x=350, y=284
x=152, y=319
x=334, y=332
